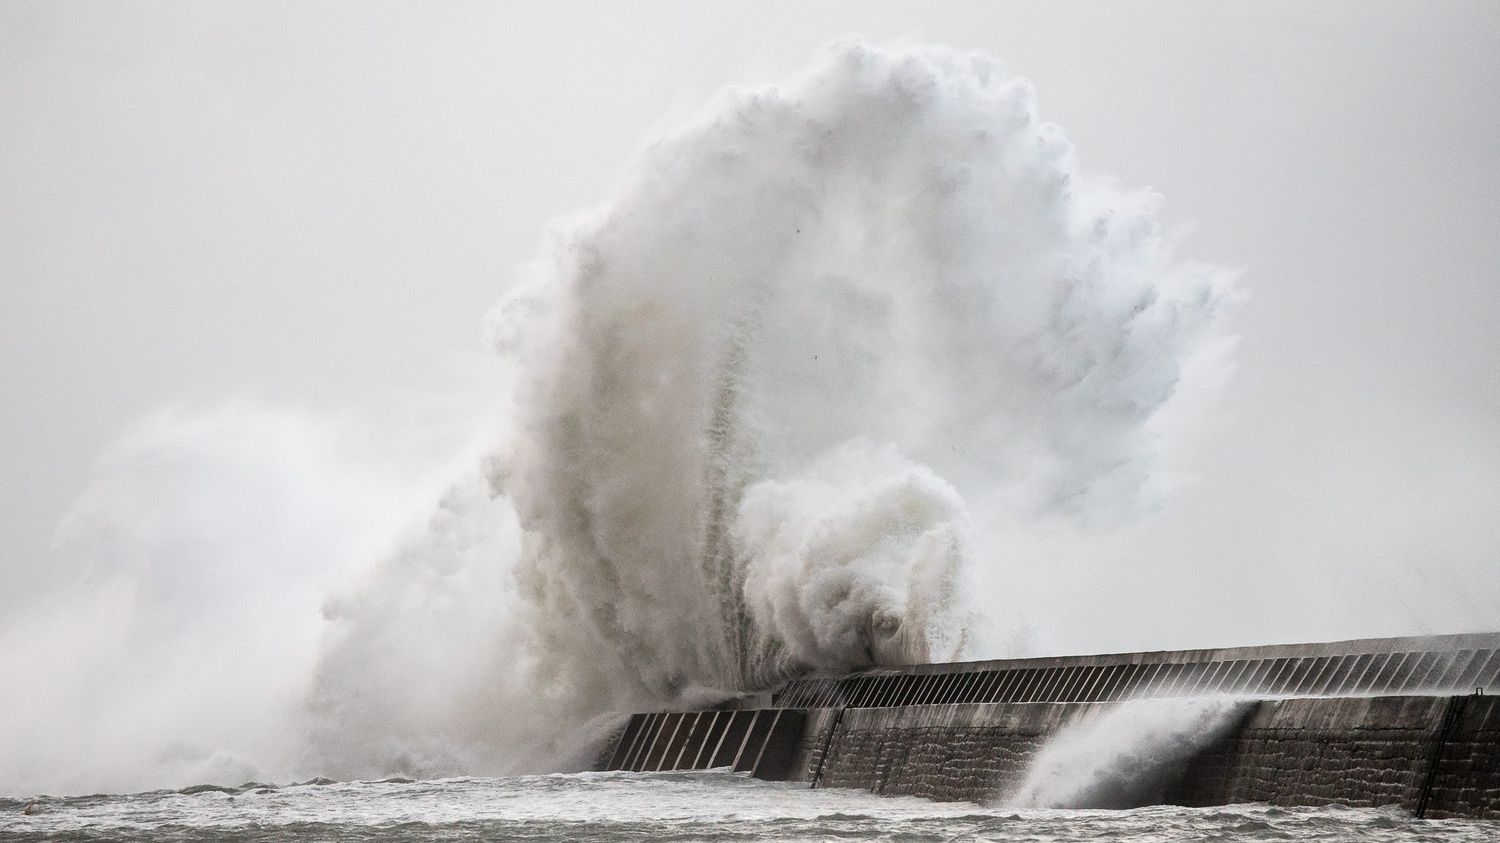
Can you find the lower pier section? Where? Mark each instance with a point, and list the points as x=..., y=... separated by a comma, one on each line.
x=1436, y=756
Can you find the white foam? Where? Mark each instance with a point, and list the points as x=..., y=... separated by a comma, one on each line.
x=834, y=347
x=1124, y=755
x=766, y=383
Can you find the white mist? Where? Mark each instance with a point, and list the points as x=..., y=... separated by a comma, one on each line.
x=834, y=349
x=1125, y=755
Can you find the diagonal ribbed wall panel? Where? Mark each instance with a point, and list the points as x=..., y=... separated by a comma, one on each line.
x=1441, y=664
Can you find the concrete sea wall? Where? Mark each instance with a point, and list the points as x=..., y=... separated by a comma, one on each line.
x=1368, y=751
x=1434, y=756
x=972, y=731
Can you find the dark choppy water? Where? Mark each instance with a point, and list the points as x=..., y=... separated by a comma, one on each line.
x=658, y=808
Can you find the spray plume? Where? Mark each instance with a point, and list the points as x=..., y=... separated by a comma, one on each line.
x=753, y=404
x=1125, y=755
x=764, y=387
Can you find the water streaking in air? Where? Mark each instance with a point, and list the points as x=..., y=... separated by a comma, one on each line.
x=832, y=351
x=833, y=363
x=662, y=807
x=1125, y=755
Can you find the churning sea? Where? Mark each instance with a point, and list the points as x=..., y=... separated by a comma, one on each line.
x=659, y=807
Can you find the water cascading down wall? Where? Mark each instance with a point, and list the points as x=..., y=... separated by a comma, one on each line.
x=1412, y=722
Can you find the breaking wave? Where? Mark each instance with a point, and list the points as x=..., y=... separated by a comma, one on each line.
x=1126, y=755
x=769, y=407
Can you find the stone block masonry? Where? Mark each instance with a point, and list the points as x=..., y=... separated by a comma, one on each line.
x=1466, y=775
x=1435, y=756
x=1369, y=751
x=949, y=752
x=1351, y=751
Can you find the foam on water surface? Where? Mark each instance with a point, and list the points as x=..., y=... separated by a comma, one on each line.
x=663, y=806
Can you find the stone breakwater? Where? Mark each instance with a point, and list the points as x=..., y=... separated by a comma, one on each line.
x=1412, y=722
x=1353, y=751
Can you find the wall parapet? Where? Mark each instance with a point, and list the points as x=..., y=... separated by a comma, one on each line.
x=1431, y=665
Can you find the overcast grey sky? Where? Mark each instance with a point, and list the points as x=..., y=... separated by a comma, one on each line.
x=317, y=202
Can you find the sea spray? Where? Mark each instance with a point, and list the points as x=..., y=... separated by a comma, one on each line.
x=1125, y=755
x=764, y=387
x=757, y=397
x=177, y=642
x=833, y=348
